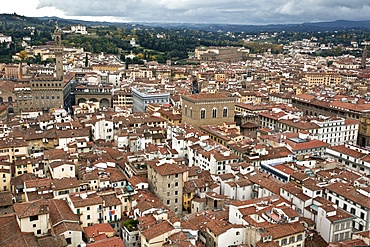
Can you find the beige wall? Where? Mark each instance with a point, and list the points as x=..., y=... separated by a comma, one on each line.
x=32, y=226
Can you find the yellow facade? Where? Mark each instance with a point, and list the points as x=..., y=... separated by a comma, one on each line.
x=5, y=176
x=325, y=78
x=186, y=200
x=23, y=167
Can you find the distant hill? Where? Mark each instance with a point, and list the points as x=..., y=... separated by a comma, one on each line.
x=339, y=25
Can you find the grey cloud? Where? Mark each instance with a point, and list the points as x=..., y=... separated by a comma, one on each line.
x=217, y=11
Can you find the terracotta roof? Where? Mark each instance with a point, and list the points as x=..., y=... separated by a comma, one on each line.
x=350, y=193
x=66, y=227
x=98, y=229
x=218, y=227
x=60, y=211
x=65, y=183
x=109, y=242
x=285, y=230
x=348, y=151
x=111, y=200
x=56, y=164
x=38, y=183
x=167, y=168
x=157, y=230
x=6, y=198
x=11, y=235
x=91, y=199
x=27, y=209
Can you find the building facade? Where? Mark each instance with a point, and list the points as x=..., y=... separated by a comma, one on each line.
x=166, y=178
x=45, y=92
x=142, y=97
x=208, y=109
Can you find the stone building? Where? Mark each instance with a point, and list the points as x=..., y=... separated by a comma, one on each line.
x=141, y=97
x=166, y=179
x=208, y=109
x=44, y=92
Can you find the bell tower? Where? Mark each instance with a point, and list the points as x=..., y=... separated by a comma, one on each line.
x=364, y=57
x=58, y=52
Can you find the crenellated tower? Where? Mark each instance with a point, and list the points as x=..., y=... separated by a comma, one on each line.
x=58, y=52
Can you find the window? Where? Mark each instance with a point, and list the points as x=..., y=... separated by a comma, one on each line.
x=191, y=112
x=88, y=217
x=214, y=113
x=34, y=225
x=224, y=112
x=299, y=237
x=88, y=208
x=176, y=184
x=362, y=215
x=353, y=211
x=284, y=242
x=33, y=218
x=202, y=114
x=186, y=110
x=69, y=240
x=39, y=231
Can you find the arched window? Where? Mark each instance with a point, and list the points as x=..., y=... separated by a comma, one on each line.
x=1, y=100
x=224, y=112
x=191, y=112
x=186, y=110
x=214, y=113
x=203, y=114
x=10, y=99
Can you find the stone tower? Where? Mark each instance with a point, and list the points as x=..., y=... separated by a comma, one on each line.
x=364, y=56
x=58, y=52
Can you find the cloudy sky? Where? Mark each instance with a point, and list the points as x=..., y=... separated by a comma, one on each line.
x=199, y=11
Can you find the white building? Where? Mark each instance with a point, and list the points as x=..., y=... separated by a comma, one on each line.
x=6, y=39
x=102, y=129
x=88, y=205
x=238, y=190
x=222, y=233
x=352, y=200
x=335, y=130
x=33, y=217
x=213, y=159
x=65, y=223
x=62, y=169
x=81, y=29
x=333, y=224
x=353, y=157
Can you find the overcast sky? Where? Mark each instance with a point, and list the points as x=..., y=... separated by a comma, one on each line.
x=199, y=11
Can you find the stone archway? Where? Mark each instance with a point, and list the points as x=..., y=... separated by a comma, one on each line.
x=81, y=100
x=104, y=103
